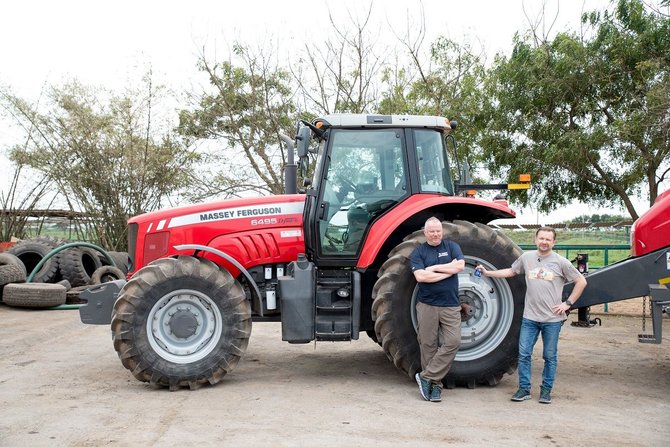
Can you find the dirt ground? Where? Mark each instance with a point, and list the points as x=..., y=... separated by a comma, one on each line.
x=61, y=383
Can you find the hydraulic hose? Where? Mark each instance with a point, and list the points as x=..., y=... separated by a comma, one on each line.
x=57, y=250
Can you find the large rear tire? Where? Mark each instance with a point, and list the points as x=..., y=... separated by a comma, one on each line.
x=181, y=322
x=489, y=331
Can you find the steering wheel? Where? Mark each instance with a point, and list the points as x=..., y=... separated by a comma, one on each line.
x=347, y=186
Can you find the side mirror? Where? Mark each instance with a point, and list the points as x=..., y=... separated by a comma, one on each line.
x=303, y=139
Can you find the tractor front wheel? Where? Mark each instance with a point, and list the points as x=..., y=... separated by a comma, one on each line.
x=181, y=322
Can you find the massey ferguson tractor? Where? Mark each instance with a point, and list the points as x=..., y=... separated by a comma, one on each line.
x=328, y=264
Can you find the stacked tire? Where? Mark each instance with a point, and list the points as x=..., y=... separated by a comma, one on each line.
x=12, y=271
x=32, y=251
x=60, y=278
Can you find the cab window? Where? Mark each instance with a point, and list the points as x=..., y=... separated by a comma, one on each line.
x=366, y=175
x=432, y=160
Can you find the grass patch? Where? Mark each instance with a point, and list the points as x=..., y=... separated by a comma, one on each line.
x=598, y=257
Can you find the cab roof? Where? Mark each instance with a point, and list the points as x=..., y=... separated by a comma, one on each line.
x=362, y=120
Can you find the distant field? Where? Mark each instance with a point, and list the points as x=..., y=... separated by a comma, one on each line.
x=582, y=237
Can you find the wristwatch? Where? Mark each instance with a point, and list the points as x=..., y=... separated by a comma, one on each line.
x=568, y=302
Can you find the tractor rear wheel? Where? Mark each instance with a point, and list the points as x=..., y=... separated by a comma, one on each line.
x=181, y=322
x=490, y=327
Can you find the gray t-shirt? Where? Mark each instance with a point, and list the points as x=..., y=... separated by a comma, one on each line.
x=545, y=277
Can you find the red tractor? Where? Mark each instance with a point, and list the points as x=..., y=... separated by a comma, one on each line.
x=327, y=264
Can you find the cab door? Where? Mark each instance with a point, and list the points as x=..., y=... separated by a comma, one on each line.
x=360, y=175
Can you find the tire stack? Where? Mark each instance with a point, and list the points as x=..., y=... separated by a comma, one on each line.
x=61, y=277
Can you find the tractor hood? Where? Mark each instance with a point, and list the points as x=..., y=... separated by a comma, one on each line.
x=267, y=228
x=238, y=211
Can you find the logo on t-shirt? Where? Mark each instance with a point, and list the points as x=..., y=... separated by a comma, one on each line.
x=542, y=274
x=440, y=255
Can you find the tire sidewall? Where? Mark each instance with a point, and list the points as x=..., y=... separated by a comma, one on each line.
x=33, y=251
x=230, y=322
x=103, y=272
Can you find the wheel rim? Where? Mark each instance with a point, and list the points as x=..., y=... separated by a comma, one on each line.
x=490, y=315
x=184, y=326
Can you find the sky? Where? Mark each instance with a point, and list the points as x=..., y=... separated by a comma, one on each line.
x=42, y=41
x=108, y=43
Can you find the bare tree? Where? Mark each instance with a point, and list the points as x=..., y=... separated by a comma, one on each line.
x=342, y=73
x=109, y=155
x=19, y=201
x=247, y=105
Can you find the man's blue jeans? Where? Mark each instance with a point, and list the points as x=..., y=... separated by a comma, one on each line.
x=530, y=330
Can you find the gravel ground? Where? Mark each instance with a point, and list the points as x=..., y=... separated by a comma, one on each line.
x=61, y=383
x=627, y=307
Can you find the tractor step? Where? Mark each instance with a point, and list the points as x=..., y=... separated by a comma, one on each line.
x=337, y=310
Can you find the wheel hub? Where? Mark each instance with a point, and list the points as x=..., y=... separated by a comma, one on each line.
x=489, y=308
x=183, y=323
x=184, y=326
x=483, y=309
x=470, y=308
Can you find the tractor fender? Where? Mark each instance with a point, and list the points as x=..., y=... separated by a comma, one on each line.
x=422, y=206
x=227, y=257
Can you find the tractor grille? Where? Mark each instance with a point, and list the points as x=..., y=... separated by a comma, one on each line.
x=132, y=245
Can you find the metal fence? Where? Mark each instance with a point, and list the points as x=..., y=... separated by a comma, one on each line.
x=595, y=252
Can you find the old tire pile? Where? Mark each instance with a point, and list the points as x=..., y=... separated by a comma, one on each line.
x=32, y=251
x=60, y=279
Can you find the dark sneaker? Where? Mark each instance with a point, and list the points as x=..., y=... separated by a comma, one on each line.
x=424, y=386
x=545, y=395
x=521, y=395
x=435, y=394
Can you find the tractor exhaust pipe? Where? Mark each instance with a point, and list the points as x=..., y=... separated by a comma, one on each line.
x=291, y=169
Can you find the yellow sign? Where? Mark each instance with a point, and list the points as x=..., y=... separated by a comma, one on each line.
x=518, y=186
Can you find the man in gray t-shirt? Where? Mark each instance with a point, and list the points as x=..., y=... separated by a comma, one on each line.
x=546, y=273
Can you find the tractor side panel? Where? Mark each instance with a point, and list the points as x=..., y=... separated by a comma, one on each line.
x=259, y=247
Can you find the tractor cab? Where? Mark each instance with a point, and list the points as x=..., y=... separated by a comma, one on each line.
x=365, y=166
